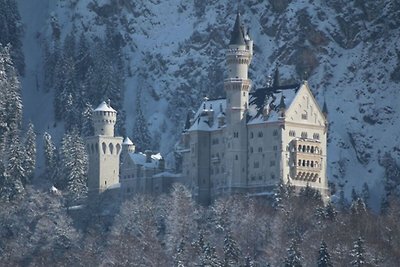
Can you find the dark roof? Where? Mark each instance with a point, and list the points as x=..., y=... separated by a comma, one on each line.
x=260, y=96
x=325, y=108
x=237, y=37
x=282, y=104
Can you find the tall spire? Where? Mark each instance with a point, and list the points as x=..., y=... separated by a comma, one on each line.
x=325, y=109
x=237, y=36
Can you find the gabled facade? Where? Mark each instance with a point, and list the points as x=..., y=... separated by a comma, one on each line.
x=250, y=142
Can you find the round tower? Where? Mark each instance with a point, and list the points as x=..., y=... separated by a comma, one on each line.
x=104, y=118
x=128, y=146
x=237, y=85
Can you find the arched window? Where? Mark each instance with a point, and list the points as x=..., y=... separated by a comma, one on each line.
x=303, y=134
x=111, y=147
x=312, y=149
x=118, y=146
x=104, y=146
x=299, y=162
x=92, y=148
x=316, y=136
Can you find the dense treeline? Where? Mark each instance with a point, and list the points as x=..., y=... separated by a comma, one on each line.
x=171, y=230
x=83, y=72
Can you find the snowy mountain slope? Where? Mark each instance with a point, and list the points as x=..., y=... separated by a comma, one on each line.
x=175, y=53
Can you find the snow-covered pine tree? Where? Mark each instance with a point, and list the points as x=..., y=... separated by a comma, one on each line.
x=231, y=250
x=83, y=58
x=11, y=31
x=180, y=222
x=75, y=166
x=12, y=109
x=87, y=124
x=330, y=212
x=141, y=132
x=29, y=160
x=324, y=258
x=293, y=258
x=12, y=177
x=210, y=257
x=357, y=253
x=365, y=193
x=50, y=156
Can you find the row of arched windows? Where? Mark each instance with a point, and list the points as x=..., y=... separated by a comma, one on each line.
x=308, y=163
x=308, y=149
x=94, y=148
x=308, y=177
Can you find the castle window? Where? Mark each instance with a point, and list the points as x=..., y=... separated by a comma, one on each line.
x=272, y=163
x=244, y=93
x=260, y=134
x=275, y=148
x=275, y=133
x=304, y=116
x=304, y=135
x=292, y=133
x=272, y=176
x=316, y=136
x=260, y=149
x=104, y=147
x=118, y=148
x=256, y=164
x=236, y=157
x=251, y=135
x=251, y=149
x=111, y=147
x=235, y=134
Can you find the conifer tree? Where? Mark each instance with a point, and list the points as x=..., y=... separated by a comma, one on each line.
x=75, y=164
x=50, y=156
x=11, y=93
x=11, y=31
x=141, y=133
x=293, y=258
x=29, y=161
x=87, y=124
x=357, y=253
x=365, y=193
x=14, y=174
x=231, y=250
x=324, y=258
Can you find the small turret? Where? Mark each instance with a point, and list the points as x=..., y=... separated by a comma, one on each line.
x=128, y=145
x=104, y=118
x=325, y=110
x=282, y=108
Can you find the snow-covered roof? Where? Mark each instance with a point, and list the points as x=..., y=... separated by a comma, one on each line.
x=167, y=174
x=127, y=142
x=140, y=159
x=104, y=107
x=206, y=117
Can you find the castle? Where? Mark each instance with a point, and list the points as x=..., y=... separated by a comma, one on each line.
x=114, y=165
x=247, y=143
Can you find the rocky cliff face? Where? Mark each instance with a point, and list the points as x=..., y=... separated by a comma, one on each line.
x=174, y=51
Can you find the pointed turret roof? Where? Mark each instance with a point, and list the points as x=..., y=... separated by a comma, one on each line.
x=127, y=142
x=325, y=109
x=237, y=36
x=282, y=104
x=104, y=107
